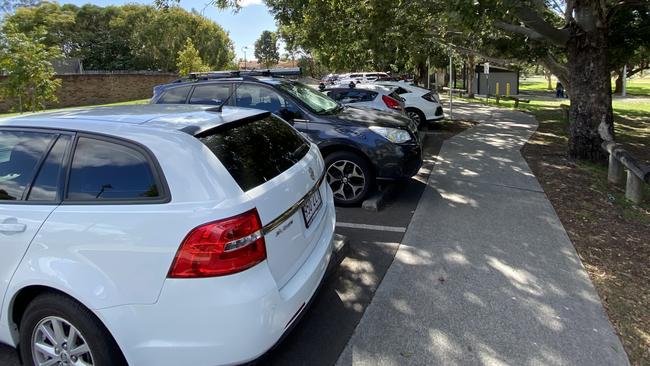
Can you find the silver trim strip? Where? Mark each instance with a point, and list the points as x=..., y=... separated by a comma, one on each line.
x=292, y=210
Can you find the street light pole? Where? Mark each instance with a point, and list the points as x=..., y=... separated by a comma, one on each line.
x=244, y=49
x=451, y=84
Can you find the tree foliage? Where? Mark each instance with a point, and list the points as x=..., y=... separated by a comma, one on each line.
x=266, y=49
x=26, y=61
x=136, y=37
x=189, y=59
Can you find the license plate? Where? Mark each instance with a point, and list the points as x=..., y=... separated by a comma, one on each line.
x=311, y=207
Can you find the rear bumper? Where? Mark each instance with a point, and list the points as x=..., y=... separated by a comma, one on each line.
x=437, y=116
x=219, y=321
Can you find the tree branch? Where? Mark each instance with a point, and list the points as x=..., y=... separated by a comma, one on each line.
x=532, y=20
x=530, y=33
x=557, y=69
x=495, y=60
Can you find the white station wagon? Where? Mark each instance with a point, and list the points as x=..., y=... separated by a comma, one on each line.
x=157, y=235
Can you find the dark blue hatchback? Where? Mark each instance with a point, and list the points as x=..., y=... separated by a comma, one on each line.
x=359, y=145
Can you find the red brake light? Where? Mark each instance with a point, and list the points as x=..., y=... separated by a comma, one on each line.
x=391, y=102
x=221, y=248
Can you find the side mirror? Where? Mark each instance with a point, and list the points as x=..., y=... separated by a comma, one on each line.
x=289, y=115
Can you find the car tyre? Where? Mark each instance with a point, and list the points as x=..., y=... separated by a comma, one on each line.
x=55, y=326
x=416, y=116
x=350, y=177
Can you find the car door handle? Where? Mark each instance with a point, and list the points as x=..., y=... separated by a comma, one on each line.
x=12, y=228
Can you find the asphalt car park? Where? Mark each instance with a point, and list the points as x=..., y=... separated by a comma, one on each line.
x=373, y=239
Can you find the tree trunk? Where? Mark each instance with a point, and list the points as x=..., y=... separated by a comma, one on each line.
x=471, y=71
x=591, y=93
x=548, y=78
x=422, y=74
x=618, y=88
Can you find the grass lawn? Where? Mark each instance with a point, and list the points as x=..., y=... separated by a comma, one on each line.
x=635, y=86
x=609, y=233
x=536, y=83
x=140, y=101
x=639, y=86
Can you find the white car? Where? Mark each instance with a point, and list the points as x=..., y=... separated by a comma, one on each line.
x=421, y=104
x=360, y=77
x=157, y=235
x=379, y=97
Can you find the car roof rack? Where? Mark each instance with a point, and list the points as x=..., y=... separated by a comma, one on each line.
x=208, y=75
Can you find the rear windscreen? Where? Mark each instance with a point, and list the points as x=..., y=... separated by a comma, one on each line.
x=255, y=152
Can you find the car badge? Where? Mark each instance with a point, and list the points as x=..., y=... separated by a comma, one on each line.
x=312, y=175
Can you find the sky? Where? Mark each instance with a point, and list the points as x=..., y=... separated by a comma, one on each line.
x=244, y=26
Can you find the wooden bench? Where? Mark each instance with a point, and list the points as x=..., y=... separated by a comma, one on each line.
x=516, y=99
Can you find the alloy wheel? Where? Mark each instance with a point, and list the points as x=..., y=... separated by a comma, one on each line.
x=346, y=179
x=414, y=116
x=56, y=342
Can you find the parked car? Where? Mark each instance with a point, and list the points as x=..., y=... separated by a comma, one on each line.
x=360, y=146
x=360, y=77
x=379, y=97
x=330, y=79
x=421, y=105
x=158, y=235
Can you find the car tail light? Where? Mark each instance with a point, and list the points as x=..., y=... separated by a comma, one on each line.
x=221, y=248
x=391, y=102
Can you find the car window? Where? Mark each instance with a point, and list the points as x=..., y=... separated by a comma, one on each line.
x=103, y=170
x=401, y=91
x=175, y=95
x=47, y=181
x=257, y=151
x=396, y=96
x=316, y=101
x=355, y=96
x=20, y=154
x=259, y=97
x=337, y=95
x=214, y=94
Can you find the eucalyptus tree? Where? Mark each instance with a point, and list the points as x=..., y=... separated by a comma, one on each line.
x=266, y=49
x=576, y=39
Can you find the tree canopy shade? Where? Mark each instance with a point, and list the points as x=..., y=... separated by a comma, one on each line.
x=266, y=49
x=136, y=37
x=581, y=41
x=593, y=37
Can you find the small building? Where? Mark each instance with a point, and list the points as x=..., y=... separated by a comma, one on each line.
x=487, y=84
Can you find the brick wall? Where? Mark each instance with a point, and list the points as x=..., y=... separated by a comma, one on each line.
x=91, y=89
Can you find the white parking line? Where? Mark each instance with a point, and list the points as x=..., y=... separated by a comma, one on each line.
x=395, y=229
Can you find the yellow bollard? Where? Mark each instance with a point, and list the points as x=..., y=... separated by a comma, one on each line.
x=507, y=89
x=497, y=91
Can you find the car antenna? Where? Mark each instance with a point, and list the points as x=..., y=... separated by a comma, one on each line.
x=219, y=108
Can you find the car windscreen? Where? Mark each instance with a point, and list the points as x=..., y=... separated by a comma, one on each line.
x=256, y=151
x=317, y=102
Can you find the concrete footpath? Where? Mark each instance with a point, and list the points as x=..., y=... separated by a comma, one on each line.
x=485, y=274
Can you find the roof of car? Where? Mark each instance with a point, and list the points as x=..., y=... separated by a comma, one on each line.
x=387, y=89
x=263, y=79
x=193, y=119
